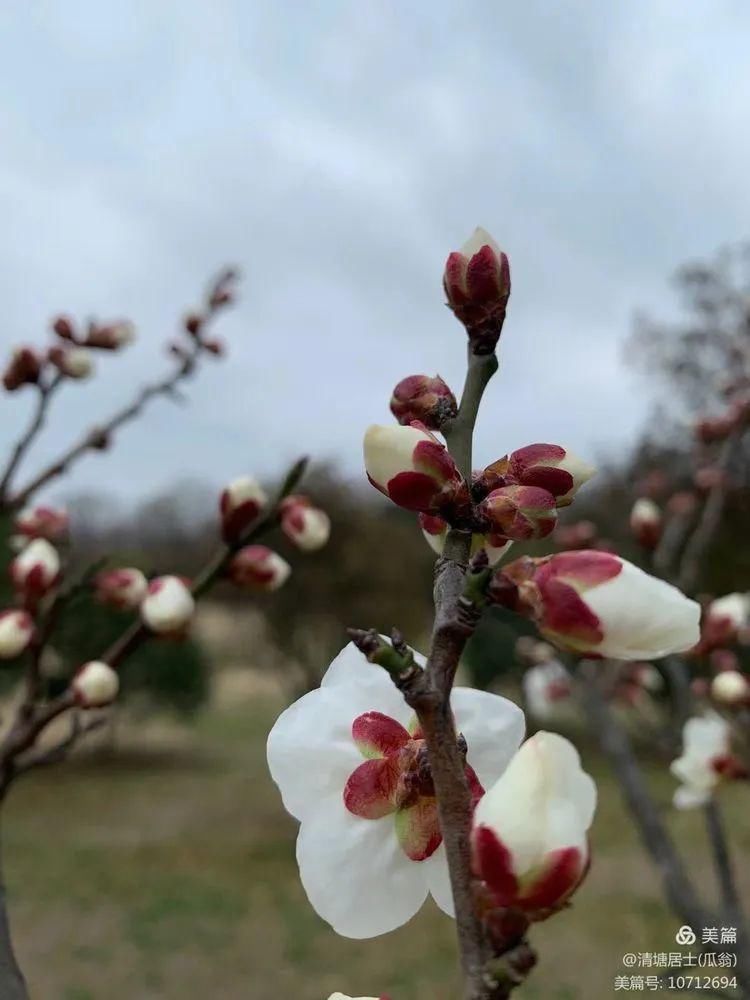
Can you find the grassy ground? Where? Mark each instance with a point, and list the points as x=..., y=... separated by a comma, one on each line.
x=168, y=872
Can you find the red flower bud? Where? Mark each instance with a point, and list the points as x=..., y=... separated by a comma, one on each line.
x=477, y=286
x=240, y=504
x=256, y=567
x=551, y=467
x=24, y=368
x=109, y=337
x=215, y=346
x=646, y=523
x=193, y=323
x=419, y=397
x=520, y=512
x=63, y=327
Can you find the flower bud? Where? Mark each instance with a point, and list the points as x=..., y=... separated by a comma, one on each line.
x=42, y=522
x=520, y=512
x=193, y=323
x=646, y=523
x=730, y=687
x=24, y=368
x=74, y=362
x=724, y=618
x=477, y=286
x=36, y=570
x=425, y=399
x=168, y=605
x=550, y=467
x=215, y=346
x=529, y=837
x=121, y=588
x=64, y=328
x=258, y=568
x=597, y=604
x=435, y=531
x=240, y=504
x=307, y=526
x=411, y=467
x=109, y=337
x=545, y=686
x=706, y=759
x=96, y=684
x=16, y=631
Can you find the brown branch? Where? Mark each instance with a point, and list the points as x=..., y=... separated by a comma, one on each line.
x=45, y=391
x=725, y=874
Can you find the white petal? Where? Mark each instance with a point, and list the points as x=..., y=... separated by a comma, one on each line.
x=478, y=239
x=688, y=797
x=311, y=752
x=494, y=728
x=643, y=617
x=389, y=451
x=439, y=881
x=355, y=874
x=376, y=689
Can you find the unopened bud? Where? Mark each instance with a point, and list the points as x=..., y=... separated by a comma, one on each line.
x=42, y=522
x=215, y=346
x=193, y=323
x=428, y=400
x=96, y=684
x=477, y=286
x=63, y=327
x=258, y=568
x=111, y=336
x=24, y=368
x=730, y=687
x=305, y=525
x=520, y=512
x=74, y=362
x=168, y=605
x=36, y=570
x=646, y=523
x=121, y=588
x=16, y=631
x=240, y=504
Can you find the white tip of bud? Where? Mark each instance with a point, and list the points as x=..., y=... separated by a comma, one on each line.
x=36, y=569
x=307, y=526
x=168, y=605
x=96, y=684
x=730, y=687
x=478, y=239
x=16, y=630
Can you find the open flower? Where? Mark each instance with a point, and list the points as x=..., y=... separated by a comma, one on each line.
x=352, y=767
x=597, y=604
x=706, y=758
x=530, y=830
x=435, y=531
x=168, y=606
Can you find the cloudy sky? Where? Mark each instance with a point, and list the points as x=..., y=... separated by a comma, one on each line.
x=336, y=152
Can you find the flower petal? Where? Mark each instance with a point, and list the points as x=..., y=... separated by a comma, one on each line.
x=371, y=788
x=355, y=873
x=439, y=880
x=377, y=735
x=418, y=828
x=375, y=689
x=493, y=727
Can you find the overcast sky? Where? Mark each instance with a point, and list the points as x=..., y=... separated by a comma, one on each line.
x=336, y=152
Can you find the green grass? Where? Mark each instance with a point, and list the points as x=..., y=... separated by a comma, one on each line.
x=168, y=872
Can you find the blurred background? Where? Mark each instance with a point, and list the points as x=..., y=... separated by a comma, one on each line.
x=336, y=153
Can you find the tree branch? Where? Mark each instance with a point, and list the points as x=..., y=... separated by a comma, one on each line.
x=45, y=392
x=725, y=875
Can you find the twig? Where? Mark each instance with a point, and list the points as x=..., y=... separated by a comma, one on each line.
x=725, y=874
x=45, y=392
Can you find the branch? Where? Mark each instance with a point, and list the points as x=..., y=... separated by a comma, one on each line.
x=32, y=719
x=708, y=522
x=725, y=874
x=39, y=414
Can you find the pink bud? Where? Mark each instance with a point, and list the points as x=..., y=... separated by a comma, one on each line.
x=42, y=522
x=121, y=588
x=411, y=467
x=551, y=467
x=16, y=631
x=168, y=606
x=529, y=837
x=36, y=570
x=240, y=503
x=477, y=286
x=64, y=328
x=74, y=362
x=215, y=346
x=24, y=368
x=419, y=397
x=520, y=512
x=96, y=684
x=256, y=567
x=646, y=523
x=307, y=526
x=193, y=323
x=580, y=535
x=109, y=337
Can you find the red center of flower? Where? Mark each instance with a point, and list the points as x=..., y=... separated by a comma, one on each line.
x=395, y=779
